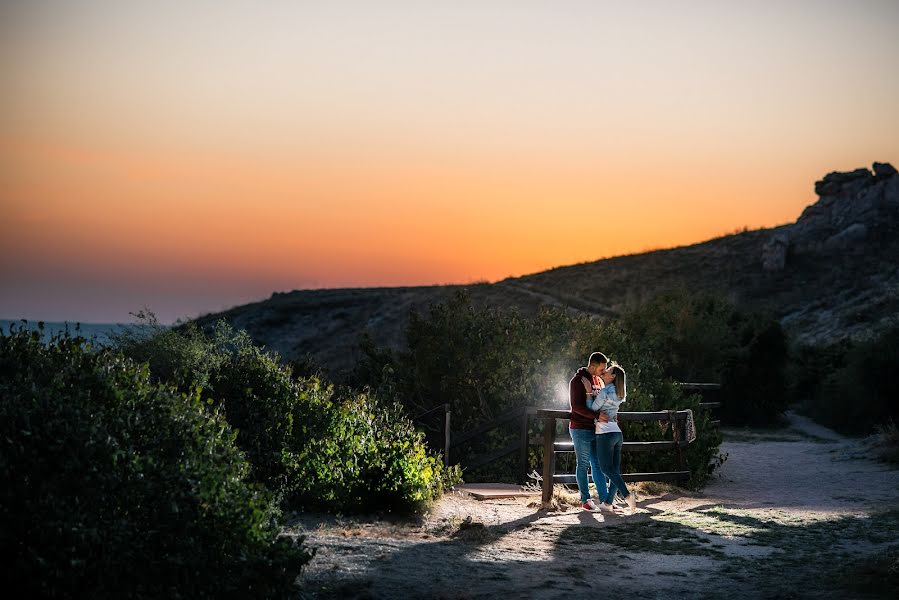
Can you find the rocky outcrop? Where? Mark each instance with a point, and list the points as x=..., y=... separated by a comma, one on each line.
x=774, y=252
x=850, y=206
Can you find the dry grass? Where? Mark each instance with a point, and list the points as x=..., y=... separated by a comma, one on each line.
x=885, y=443
x=562, y=499
x=474, y=532
x=657, y=488
x=566, y=497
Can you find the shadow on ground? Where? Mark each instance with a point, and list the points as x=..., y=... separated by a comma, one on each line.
x=705, y=552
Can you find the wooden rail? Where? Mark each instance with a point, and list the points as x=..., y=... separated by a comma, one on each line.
x=705, y=390
x=626, y=447
x=699, y=387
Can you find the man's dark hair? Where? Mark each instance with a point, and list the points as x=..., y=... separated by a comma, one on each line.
x=597, y=358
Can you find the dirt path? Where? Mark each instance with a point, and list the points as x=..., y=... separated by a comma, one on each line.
x=796, y=513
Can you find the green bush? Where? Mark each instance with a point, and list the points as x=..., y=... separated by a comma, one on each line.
x=885, y=442
x=114, y=486
x=363, y=456
x=312, y=445
x=808, y=369
x=485, y=361
x=688, y=331
x=753, y=383
x=858, y=384
x=705, y=338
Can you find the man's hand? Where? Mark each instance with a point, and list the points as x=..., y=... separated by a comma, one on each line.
x=603, y=418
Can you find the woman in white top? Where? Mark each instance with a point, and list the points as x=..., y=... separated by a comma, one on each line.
x=609, y=438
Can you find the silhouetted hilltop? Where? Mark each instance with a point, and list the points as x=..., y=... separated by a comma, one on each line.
x=832, y=274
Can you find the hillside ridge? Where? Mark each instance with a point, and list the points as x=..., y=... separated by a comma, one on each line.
x=832, y=274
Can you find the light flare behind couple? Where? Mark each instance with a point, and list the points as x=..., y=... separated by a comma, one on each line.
x=595, y=393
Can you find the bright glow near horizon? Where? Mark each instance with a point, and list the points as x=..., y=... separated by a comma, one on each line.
x=191, y=156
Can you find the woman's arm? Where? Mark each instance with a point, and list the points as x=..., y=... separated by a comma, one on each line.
x=593, y=402
x=598, y=401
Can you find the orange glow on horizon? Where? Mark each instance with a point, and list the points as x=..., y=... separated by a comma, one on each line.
x=148, y=157
x=457, y=224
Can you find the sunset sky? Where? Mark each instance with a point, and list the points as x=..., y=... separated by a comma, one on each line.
x=194, y=155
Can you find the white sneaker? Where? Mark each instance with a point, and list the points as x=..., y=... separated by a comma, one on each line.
x=632, y=502
x=606, y=507
x=590, y=505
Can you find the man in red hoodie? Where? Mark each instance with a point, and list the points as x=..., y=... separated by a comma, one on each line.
x=582, y=429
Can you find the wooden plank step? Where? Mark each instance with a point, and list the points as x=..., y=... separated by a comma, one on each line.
x=490, y=491
x=630, y=477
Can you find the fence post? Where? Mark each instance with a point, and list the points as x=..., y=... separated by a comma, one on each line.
x=549, y=458
x=446, y=435
x=523, y=452
x=676, y=434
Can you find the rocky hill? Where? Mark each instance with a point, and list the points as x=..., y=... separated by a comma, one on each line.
x=832, y=274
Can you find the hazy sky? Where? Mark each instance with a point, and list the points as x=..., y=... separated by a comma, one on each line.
x=194, y=155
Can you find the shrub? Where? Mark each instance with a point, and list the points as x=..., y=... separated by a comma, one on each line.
x=754, y=375
x=364, y=456
x=808, y=368
x=885, y=442
x=315, y=446
x=705, y=338
x=688, y=331
x=114, y=486
x=182, y=356
x=859, y=384
x=485, y=361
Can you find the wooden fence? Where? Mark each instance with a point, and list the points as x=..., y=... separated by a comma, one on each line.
x=711, y=397
x=436, y=423
x=522, y=415
x=551, y=447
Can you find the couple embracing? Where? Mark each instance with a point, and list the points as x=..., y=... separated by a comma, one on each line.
x=595, y=392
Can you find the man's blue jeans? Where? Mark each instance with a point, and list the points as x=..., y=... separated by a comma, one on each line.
x=608, y=450
x=585, y=452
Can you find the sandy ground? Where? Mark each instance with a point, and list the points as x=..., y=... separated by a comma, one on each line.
x=796, y=513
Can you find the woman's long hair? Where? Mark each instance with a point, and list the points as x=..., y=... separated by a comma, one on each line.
x=620, y=381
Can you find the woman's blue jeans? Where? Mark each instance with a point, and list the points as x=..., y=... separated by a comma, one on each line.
x=608, y=451
x=585, y=452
